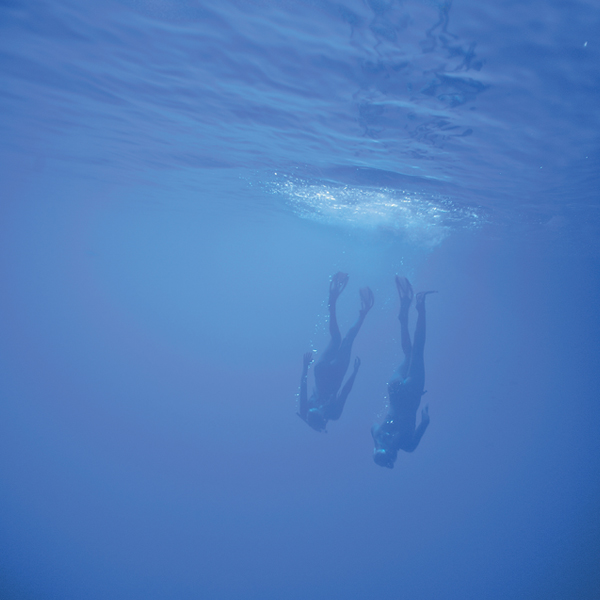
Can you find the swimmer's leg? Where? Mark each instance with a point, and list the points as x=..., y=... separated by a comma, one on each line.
x=335, y=408
x=336, y=287
x=366, y=300
x=343, y=357
x=405, y=292
x=416, y=370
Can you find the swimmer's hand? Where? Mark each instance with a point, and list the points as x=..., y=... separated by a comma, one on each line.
x=356, y=364
x=307, y=359
x=425, y=416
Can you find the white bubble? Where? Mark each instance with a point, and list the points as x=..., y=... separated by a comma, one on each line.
x=425, y=219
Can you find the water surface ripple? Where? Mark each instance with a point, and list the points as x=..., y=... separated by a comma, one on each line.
x=487, y=104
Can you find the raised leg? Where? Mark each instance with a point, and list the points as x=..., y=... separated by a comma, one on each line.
x=335, y=408
x=336, y=287
x=405, y=292
x=366, y=303
x=416, y=370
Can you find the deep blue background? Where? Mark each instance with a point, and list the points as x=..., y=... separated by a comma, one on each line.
x=179, y=181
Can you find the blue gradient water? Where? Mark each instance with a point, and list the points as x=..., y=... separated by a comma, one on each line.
x=178, y=182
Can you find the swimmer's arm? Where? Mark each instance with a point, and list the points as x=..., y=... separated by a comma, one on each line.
x=303, y=408
x=420, y=430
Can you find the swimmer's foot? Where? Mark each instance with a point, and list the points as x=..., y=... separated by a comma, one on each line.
x=336, y=285
x=405, y=290
x=366, y=300
x=420, y=305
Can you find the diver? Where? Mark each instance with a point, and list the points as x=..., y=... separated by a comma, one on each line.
x=326, y=403
x=405, y=388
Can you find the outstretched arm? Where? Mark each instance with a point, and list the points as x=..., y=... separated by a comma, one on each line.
x=303, y=408
x=420, y=430
x=337, y=406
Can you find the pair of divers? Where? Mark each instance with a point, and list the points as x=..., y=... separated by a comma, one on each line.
x=405, y=388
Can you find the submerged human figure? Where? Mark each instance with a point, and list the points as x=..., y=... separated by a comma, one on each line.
x=325, y=402
x=405, y=388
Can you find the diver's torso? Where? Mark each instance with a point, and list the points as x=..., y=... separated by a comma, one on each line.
x=398, y=429
x=405, y=398
x=320, y=401
x=328, y=380
x=395, y=433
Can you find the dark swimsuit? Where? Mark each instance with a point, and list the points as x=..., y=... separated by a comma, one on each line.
x=390, y=434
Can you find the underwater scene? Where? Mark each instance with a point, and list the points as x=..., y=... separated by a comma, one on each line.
x=299, y=300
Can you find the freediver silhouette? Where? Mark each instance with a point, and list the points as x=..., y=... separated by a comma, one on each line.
x=405, y=388
x=326, y=403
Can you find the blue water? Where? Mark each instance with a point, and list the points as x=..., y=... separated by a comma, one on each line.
x=179, y=180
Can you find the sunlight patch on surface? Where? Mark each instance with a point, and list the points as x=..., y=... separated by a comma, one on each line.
x=423, y=219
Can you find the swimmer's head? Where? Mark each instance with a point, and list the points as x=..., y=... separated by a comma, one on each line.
x=316, y=420
x=385, y=458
